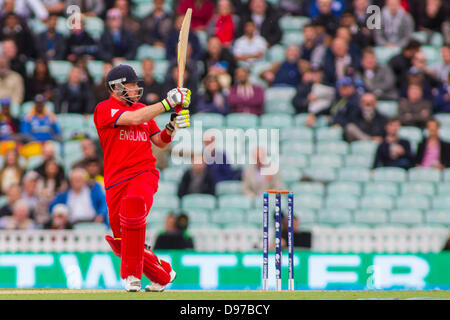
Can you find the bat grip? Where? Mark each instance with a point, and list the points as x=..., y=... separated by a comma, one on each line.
x=178, y=109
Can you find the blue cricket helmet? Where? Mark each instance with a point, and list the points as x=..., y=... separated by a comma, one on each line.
x=120, y=75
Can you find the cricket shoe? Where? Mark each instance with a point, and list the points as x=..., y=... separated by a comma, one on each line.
x=132, y=284
x=156, y=287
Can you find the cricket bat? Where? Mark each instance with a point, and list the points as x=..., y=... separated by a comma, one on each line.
x=182, y=48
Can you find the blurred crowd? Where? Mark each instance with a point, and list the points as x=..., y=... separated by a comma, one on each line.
x=335, y=72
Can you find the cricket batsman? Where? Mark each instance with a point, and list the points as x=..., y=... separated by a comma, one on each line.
x=126, y=130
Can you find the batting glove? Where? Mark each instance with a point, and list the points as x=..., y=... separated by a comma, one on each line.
x=177, y=97
x=182, y=120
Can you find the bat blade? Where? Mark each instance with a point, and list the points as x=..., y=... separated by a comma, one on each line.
x=182, y=46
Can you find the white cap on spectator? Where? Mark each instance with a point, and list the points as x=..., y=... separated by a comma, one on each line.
x=60, y=209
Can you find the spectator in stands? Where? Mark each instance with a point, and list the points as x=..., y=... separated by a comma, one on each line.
x=378, y=79
x=20, y=219
x=52, y=180
x=414, y=110
x=214, y=99
x=218, y=61
x=51, y=44
x=116, y=41
x=152, y=88
x=345, y=104
x=11, y=172
x=336, y=60
x=155, y=27
x=190, y=81
x=397, y=26
x=89, y=8
x=54, y=6
x=216, y=161
x=360, y=34
x=202, y=12
x=25, y=9
x=11, y=83
x=287, y=72
x=14, y=28
x=251, y=47
x=172, y=42
x=130, y=23
x=309, y=42
x=326, y=16
x=224, y=23
x=41, y=82
x=89, y=150
x=312, y=95
x=432, y=150
x=38, y=207
x=40, y=123
x=93, y=167
x=100, y=91
x=80, y=44
x=85, y=200
x=265, y=19
x=441, y=101
x=253, y=180
x=48, y=154
x=59, y=219
x=17, y=61
x=393, y=151
x=74, y=96
x=442, y=68
x=366, y=123
x=197, y=179
x=293, y=7
x=432, y=14
x=9, y=125
x=174, y=235
x=13, y=194
x=245, y=96
x=401, y=63
x=354, y=48
x=419, y=78
x=419, y=61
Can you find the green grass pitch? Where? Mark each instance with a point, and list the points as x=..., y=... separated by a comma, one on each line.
x=67, y=294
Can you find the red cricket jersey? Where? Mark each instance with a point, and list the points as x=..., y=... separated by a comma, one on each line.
x=127, y=149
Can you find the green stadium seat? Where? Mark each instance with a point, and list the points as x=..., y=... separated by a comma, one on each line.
x=354, y=174
x=424, y=175
x=72, y=148
x=198, y=201
x=59, y=69
x=432, y=54
x=292, y=37
x=347, y=188
x=234, y=201
x=3, y=201
x=406, y=217
x=258, y=67
x=305, y=216
x=412, y=134
x=329, y=134
x=70, y=121
x=441, y=202
x=276, y=53
x=342, y=201
x=228, y=215
x=296, y=161
x=308, y=188
x=34, y=162
x=443, y=188
x=334, y=216
x=419, y=188
x=413, y=202
x=167, y=188
x=198, y=216
x=307, y=201
x=444, y=134
x=443, y=118
x=358, y=160
x=384, y=54
x=279, y=94
x=297, y=134
x=326, y=160
x=157, y=216
x=371, y=217
x=391, y=174
x=163, y=202
x=293, y=148
x=142, y=9
x=364, y=147
x=377, y=201
x=274, y=121
x=290, y=175
x=95, y=68
x=320, y=174
x=146, y=51
x=228, y=187
x=446, y=175
x=172, y=174
x=94, y=26
x=279, y=107
x=333, y=147
x=242, y=120
x=254, y=216
x=293, y=23
x=209, y=120
x=300, y=119
x=438, y=217
x=386, y=188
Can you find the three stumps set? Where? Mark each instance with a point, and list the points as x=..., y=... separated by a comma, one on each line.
x=290, y=240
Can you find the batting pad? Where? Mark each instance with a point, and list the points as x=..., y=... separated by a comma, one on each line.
x=132, y=223
x=155, y=269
